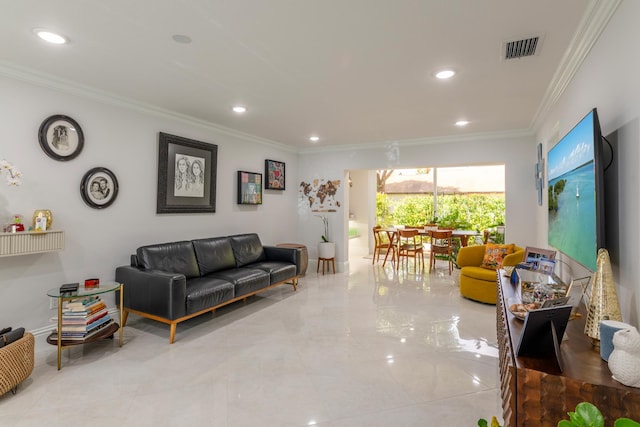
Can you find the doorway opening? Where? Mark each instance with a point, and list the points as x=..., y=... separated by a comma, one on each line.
x=461, y=197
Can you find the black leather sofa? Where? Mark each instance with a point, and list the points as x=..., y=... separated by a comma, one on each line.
x=173, y=282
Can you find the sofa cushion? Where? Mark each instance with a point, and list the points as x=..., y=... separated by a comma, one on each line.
x=245, y=280
x=247, y=249
x=479, y=273
x=205, y=292
x=174, y=257
x=278, y=271
x=494, y=255
x=214, y=254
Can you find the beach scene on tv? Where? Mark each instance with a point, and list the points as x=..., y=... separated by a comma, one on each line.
x=571, y=187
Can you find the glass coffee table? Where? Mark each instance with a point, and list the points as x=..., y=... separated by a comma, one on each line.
x=55, y=338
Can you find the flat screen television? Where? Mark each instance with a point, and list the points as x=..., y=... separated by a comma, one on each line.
x=576, y=192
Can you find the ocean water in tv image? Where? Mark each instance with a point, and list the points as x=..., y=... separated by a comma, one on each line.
x=572, y=228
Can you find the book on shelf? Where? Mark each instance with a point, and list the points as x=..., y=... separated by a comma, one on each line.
x=85, y=328
x=81, y=336
x=84, y=320
x=83, y=306
x=81, y=316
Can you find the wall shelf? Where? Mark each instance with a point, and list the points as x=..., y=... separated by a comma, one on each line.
x=24, y=243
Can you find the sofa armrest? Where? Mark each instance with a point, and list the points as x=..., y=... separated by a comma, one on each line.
x=513, y=259
x=155, y=292
x=470, y=256
x=282, y=254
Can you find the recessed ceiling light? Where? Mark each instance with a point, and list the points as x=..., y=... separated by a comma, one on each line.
x=314, y=138
x=445, y=74
x=462, y=123
x=239, y=109
x=50, y=37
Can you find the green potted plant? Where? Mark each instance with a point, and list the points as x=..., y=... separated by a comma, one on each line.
x=585, y=415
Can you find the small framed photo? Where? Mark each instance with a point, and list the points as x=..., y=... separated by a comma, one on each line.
x=249, y=188
x=274, y=173
x=187, y=172
x=61, y=137
x=546, y=266
x=99, y=188
x=533, y=257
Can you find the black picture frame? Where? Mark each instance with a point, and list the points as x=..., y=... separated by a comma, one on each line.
x=61, y=137
x=542, y=333
x=249, y=188
x=99, y=188
x=274, y=173
x=180, y=189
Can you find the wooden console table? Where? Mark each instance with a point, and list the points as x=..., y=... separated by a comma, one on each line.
x=535, y=393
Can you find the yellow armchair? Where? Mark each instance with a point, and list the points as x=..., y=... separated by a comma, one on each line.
x=478, y=283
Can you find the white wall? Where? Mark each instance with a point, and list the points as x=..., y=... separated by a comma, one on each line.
x=516, y=151
x=125, y=141
x=359, y=202
x=608, y=80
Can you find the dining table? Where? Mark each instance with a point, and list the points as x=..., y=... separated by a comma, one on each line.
x=392, y=234
x=463, y=235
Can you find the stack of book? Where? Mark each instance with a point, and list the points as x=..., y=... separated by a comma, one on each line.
x=84, y=317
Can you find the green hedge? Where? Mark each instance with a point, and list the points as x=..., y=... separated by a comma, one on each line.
x=473, y=211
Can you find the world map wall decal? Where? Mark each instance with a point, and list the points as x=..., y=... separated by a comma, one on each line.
x=320, y=194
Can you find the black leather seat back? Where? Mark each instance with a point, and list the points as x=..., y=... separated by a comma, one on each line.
x=214, y=254
x=174, y=257
x=247, y=249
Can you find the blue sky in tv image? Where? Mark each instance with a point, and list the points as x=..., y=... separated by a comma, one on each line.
x=574, y=150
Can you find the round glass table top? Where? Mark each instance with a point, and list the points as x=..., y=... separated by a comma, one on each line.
x=84, y=292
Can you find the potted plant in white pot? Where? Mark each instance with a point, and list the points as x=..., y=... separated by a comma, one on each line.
x=326, y=248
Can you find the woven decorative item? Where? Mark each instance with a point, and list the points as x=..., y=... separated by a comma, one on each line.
x=16, y=363
x=603, y=301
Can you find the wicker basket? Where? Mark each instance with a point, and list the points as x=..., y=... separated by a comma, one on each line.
x=16, y=363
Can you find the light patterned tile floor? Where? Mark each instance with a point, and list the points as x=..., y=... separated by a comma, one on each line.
x=370, y=347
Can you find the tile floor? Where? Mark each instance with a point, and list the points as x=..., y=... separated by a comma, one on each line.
x=365, y=348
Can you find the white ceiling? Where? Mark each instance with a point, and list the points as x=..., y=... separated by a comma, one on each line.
x=350, y=71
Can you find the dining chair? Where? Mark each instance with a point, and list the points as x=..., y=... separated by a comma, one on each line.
x=392, y=237
x=441, y=248
x=382, y=243
x=410, y=246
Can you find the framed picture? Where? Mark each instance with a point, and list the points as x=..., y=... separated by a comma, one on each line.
x=99, y=188
x=533, y=256
x=274, y=172
x=61, y=137
x=186, y=175
x=249, y=188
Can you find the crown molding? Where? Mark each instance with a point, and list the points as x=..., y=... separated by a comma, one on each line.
x=37, y=78
x=593, y=22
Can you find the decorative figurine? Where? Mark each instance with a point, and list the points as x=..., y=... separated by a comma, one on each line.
x=624, y=361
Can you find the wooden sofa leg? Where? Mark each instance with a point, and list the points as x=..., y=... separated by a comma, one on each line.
x=172, y=333
x=294, y=282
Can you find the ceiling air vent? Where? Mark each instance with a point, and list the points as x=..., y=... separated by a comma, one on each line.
x=521, y=48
